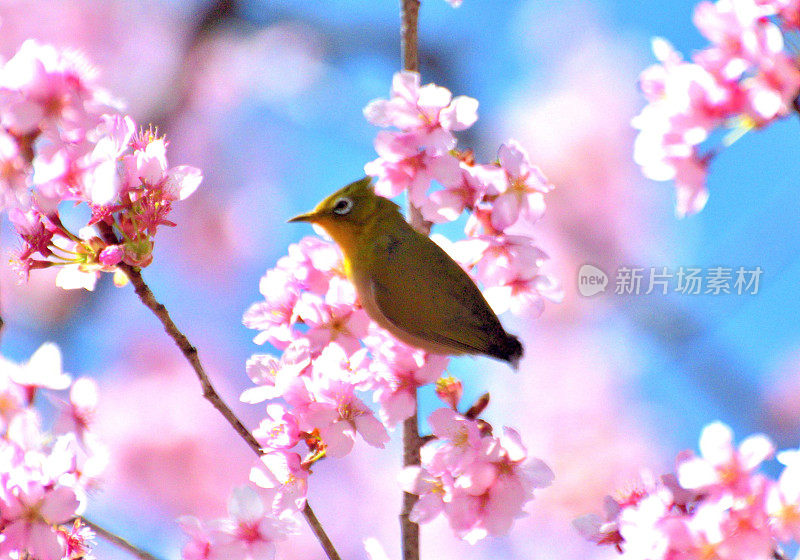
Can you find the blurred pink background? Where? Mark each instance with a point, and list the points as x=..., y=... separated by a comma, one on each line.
x=266, y=98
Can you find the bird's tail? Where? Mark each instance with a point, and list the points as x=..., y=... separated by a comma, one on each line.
x=509, y=349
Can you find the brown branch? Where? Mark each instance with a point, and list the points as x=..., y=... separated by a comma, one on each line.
x=409, y=44
x=409, y=52
x=409, y=531
x=117, y=540
x=190, y=352
x=320, y=533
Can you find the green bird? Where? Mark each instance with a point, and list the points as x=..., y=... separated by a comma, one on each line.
x=406, y=283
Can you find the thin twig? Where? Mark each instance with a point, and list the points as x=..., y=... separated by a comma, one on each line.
x=409, y=531
x=409, y=44
x=119, y=541
x=190, y=352
x=320, y=533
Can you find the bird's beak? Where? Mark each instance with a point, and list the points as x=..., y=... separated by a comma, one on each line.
x=307, y=217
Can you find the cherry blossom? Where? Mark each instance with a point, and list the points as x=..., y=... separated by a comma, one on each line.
x=744, y=80
x=430, y=112
x=480, y=482
x=46, y=476
x=64, y=138
x=248, y=533
x=332, y=352
x=283, y=472
x=717, y=505
x=521, y=192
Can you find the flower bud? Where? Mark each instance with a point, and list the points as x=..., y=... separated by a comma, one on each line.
x=449, y=390
x=111, y=255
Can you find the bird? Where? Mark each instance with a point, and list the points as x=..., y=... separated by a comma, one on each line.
x=407, y=283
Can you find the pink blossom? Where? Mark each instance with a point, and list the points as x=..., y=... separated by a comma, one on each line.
x=199, y=546
x=449, y=390
x=29, y=512
x=279, y=430
x=275, y=377
x=473, y=184
x=721, y=466
x=429, y=111
x=690, y=182
x=78, y=540
x=789, y=11
x=601, y=530
x=430, y=489
x=312, y=263
x=396, y=372
x=498, y=259
x=745, y=79
x=339, y=415
x=727, y=529
x=112, y=255
x=76, y=277
x=642, y=527
x=310, y=267
x=463, y=434
x=770, y=93
x=64, y=139
x=521, y=193
x=79, y=415
x=148, y=162
x=274, y=317
x=282, y=471
x=43, y=369
x=739, y=28
x=524, y=293
x=783, y=499
x=53, y=85
x=336, y=319
x=14, y=397
x=250, y=533
x=716, y=507
x=478, y=481
x=13, y=173
x=181, y=181
x=401, y=166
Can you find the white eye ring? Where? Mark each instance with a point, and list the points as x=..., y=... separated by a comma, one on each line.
x=342, y=206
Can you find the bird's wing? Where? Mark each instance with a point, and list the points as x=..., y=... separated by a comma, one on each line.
x=422, y=291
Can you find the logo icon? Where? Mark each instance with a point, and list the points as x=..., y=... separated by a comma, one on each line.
x=591, y=280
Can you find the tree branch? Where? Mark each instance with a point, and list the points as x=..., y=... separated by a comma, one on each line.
x=118, y=541
x=409, y=531
x=409, y=52
x=190, y=352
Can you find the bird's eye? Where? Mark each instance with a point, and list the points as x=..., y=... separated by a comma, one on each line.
x=342, y=206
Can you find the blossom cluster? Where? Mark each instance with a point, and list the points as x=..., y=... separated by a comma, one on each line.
x=477, y=479
x=64, y=139
x=503, y=198
x=716, y=505
x=744, y=80
x=45, y=476
x=333, y=354
x=248, y=533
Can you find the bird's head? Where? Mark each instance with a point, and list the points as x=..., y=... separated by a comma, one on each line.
x=345, y=213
